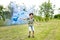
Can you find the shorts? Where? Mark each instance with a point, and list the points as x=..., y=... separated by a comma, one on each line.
x=31, y=28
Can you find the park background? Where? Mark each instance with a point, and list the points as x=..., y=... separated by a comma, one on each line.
x=46, y=20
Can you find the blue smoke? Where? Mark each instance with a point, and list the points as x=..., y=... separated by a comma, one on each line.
x=20, y=13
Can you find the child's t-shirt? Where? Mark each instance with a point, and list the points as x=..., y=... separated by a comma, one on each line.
x=30, y=21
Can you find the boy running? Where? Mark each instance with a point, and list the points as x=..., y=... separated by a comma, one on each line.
x=30, y=25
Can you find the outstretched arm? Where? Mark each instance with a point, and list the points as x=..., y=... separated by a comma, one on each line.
x=23, y=18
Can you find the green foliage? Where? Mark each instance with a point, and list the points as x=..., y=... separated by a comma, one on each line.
x=58, y=8
x=1, y=7
x=7, y=14
x=1, y=12
x=37, y=18
x=57, y=16
x=11, y=9
x=2, y=22
x=47, y=10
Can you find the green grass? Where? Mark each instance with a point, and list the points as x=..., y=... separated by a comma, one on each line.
x=43, y=31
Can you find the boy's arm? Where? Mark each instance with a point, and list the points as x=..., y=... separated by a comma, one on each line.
x=23, y=18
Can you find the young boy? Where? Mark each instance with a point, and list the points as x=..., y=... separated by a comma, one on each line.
x=30, y=25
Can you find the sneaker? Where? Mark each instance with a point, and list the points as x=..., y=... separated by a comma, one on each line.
x=32, y=36
x=28, y=36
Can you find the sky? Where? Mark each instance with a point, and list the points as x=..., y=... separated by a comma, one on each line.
x=31, y=2
x=26, y=2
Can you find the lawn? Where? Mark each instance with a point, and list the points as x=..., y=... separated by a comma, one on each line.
x=43, y=31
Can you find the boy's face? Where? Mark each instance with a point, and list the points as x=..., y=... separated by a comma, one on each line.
x=31, y=16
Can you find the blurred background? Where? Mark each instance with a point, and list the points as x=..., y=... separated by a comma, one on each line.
x=12, y=10
x=46, y=19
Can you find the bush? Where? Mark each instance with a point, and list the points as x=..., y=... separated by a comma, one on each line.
x=1, y=22
x=37, y=18
x=57, y=16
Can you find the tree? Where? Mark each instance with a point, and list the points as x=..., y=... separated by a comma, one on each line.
x=1, y=12
x=4, y=13
x=10, y=9
x=7, y=14
x=46, y=9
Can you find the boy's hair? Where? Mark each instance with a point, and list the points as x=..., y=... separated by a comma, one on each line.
x=30, y=14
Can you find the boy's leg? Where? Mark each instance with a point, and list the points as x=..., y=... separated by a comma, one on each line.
x=33, y=34
x=32, y=31
x=29, y=34
x=29, y=31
